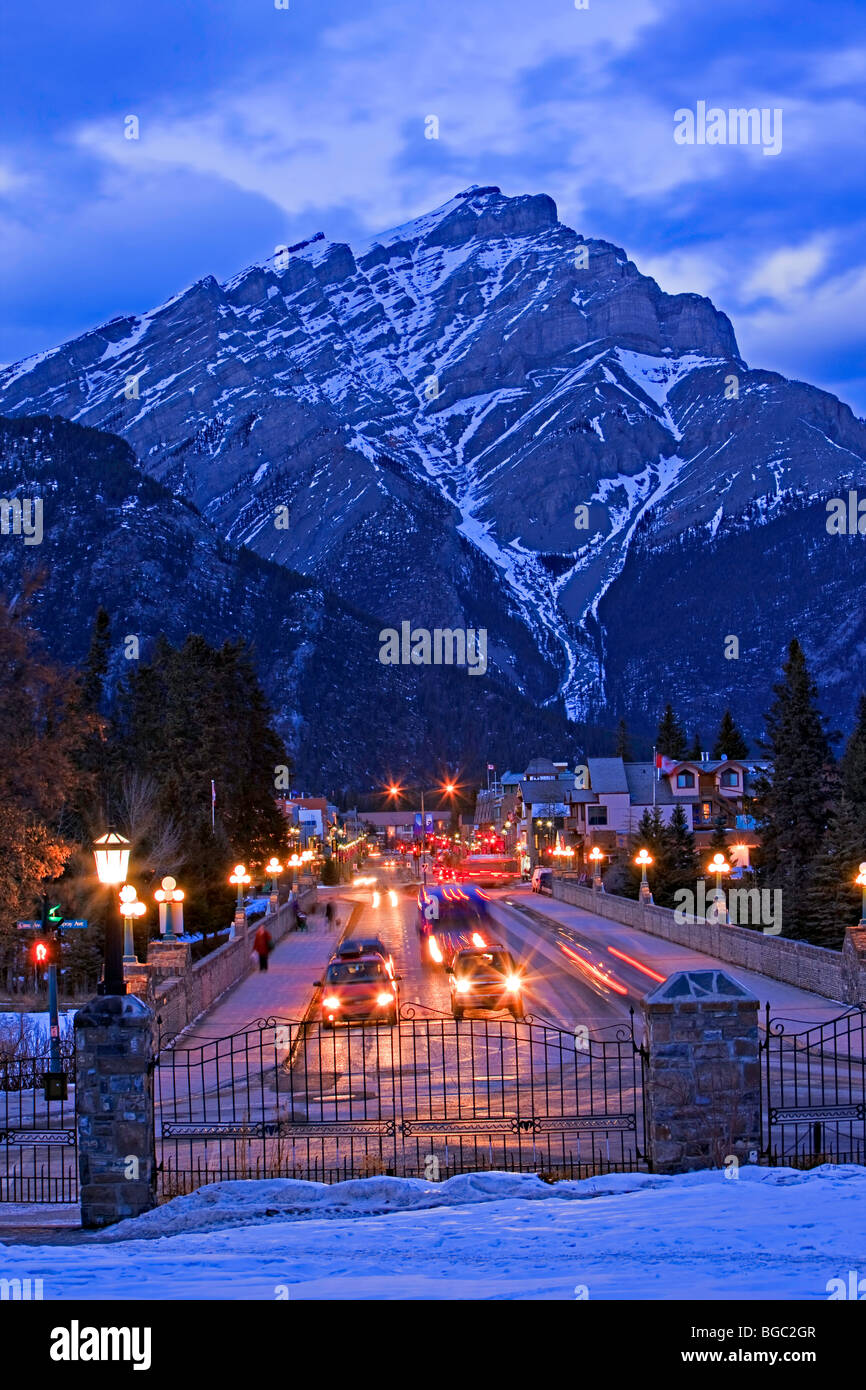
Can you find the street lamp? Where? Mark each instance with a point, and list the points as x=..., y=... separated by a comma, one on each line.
x=595, y=857
x=111, y=855
x=130, y=908
x=448, y=789
x=274, y=868
x=240, y=877
x=643, y=859
x=718, y=866
x=166, y=895
x=861, y=879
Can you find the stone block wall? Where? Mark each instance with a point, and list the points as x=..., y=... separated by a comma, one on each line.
x=795, y=962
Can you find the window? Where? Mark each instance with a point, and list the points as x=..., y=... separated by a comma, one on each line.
x=685, y=779
x=596, y=815
x=730, y=778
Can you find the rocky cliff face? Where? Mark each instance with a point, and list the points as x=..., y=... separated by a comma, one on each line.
x=112, y=535
x=434, y=407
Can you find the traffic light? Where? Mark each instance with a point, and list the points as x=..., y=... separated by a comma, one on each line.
x=55, y=915
x=40, y=954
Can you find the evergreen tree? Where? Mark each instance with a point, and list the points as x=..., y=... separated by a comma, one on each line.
x=729, y=741
x=718, y=839
x=95, y=668
x=671, y=736
x=622, y=747
x=833, y=899
x=681, y=844
x=852, y=767
x=694, y=753
x=794, y=802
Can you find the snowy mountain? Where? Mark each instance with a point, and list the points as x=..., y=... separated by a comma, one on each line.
x=432, y=409
x=114, y=536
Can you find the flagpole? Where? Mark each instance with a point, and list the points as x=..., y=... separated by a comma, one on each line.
x=212, y=808
x=655, y=778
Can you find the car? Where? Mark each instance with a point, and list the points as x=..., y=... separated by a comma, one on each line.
x=365, y=946
x=485, y=979
x=359, y=989
x=542, y=880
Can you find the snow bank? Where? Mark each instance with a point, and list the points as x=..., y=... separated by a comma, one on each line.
x=768, y=1234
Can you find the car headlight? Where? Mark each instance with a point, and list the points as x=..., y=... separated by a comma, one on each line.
x=512, y=982
x=384, y=999
x=331, y=1002
x=462, y=986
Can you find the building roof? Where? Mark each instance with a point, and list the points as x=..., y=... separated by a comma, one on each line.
x=511, y=779
x=607, y=775
x=541, y=767
x=639, y=780
x=546, y=789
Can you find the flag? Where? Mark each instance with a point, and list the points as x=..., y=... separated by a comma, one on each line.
x=664, y=764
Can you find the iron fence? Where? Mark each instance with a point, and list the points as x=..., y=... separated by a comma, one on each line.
x=814, y=1097
x=38, y=1142
x=429, y=1098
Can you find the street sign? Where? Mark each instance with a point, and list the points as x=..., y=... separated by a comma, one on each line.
x=68, y=924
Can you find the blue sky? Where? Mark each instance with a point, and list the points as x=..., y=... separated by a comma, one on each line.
x=260, y=126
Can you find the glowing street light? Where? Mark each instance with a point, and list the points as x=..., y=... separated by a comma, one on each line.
x=595, y=858
x=130, y=908
x=719, y=865
x=111, y=856
x=643, y=859
x=274, y=868
x=861, y=879
x=168, y=894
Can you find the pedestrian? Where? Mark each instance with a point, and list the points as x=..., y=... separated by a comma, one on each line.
x=263, y=944
x=329, y=913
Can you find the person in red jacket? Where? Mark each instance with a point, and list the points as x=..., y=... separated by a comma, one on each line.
x=263, y=944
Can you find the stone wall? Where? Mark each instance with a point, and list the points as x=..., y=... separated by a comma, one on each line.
x=178, y=999
x=778, y=957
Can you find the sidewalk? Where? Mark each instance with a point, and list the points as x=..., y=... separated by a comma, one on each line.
x=282, y=991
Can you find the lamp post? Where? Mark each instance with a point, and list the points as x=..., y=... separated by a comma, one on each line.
x=861, y=879
x=130, y=908
x=274, y=868
x=595, y=857
x=643, y=859
x=447, y=790
x=718, y=866
x=111, y=854
x=168, y=894
x=240, y=877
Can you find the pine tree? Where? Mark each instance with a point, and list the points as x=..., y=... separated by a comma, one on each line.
x=623, y=745
x=718, y=839
x=852, y=767
x=694, y=753
x=833, y=899
x=729, y=740
x=794, y=802
x=681, y=845
x=95, y=668
x=671, y=736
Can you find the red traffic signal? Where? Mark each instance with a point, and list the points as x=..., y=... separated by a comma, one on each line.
x=40, y=953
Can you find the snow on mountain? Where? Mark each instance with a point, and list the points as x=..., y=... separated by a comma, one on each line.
x=437, y=403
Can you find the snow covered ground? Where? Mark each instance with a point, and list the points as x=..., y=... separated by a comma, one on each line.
x=768, y=1234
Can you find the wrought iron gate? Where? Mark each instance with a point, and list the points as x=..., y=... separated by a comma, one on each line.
x=814, y=1108
x=38, y=1143
x=430, y=1097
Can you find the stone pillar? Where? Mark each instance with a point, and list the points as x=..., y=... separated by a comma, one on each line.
x=115, y=1053
x=854, y=965
x=703, y=1081
x=138, y=980
x=168, y=959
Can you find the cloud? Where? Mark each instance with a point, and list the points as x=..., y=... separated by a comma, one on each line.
x=787, y=271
